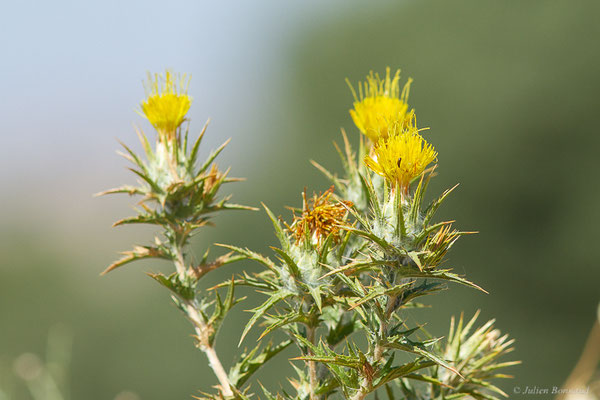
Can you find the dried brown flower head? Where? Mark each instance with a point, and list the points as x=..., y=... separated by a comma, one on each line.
x=321, y=216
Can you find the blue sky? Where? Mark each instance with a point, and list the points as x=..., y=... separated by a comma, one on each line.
x=71, y=73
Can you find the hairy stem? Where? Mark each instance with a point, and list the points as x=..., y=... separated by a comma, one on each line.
x=378, y=350
x=312, y=366
x=364, y=390
x=179, y=262
x=202, y=334
x=219, y=371
x=202, y=330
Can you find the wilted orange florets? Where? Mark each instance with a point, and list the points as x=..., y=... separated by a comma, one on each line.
x=320, y=217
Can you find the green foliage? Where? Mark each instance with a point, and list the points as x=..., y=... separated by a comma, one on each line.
x=179, y=194
x=174, y=283
x=390, y=254
x=475, y=355
x=342, y=277
x=250, y=361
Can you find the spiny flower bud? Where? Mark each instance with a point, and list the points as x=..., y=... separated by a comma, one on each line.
x=320, y=217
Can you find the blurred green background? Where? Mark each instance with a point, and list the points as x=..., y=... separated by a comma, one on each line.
x=509, y=89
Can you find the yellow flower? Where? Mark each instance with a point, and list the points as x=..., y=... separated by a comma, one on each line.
x=167, y=102
x=321, y=217
x=380, y=103
x=401, y=157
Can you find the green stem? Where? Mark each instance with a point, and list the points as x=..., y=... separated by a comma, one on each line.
x=202, y=332
x=364, y=390
x=179, y=262
x=201, y=329
x=312, y=366
x=378, y=349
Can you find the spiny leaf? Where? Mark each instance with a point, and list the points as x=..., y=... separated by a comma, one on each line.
x=220, y=311
x=344, y=361
x=373, y=237
x=432, y=208
x=281, y=236
x=266, y=281
x=341, y=331
x=251, y=361
x=205, y=267
x=315, y=292
x=134, y=158
x=417, y=348
x=343, y=158
x=148, y=180
x=212, y=157
x=268, y=394
x=353, y=268
x=382, y=291
x=415, y=257
x=324, y=251
x=426, y=378
x=402, y=371
x=373, y=199
x=138, y=253
x=141, y=219
x=444, y=274
x=194, y=152
x=349, y=154
x=145, y=144
x=292, y=267
x=251, y=255
x=343, y=245
x=174, y=284
x=130, y=190
x=417, y=200
x=259, y=311
x=282, y=320
x=233, y=206
x=489, y=386
x=324, y=355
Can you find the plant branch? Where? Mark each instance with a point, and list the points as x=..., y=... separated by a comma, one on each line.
x=201, y=328
x=364, y=390
x=312, y=367
x=179, y=262
x=202, y=333
x=378, y=350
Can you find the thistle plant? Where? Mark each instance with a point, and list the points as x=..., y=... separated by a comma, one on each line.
x=350, y=265
x=179, y=195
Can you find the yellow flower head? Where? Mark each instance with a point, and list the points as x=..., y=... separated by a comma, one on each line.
x=380, y=103
x=401, y=157
x=167, y=102
x=321, y=217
